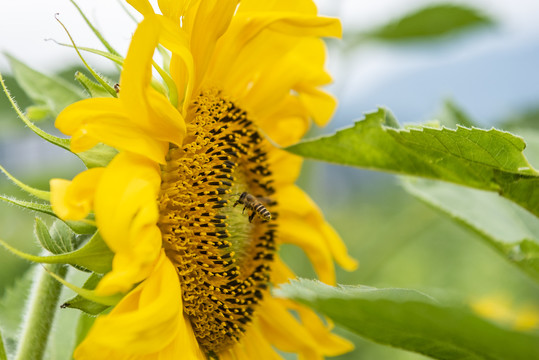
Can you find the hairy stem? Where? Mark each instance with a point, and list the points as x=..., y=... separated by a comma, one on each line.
x=3, y=355
x=42, y=307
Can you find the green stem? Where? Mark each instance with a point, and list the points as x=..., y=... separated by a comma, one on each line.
x=3, y=355
x=43, y=304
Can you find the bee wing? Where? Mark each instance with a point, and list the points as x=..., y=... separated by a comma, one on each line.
x=265, y=200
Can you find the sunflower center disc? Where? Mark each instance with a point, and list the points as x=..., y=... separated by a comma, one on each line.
x=223, y=259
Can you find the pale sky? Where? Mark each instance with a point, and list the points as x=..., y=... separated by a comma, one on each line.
x=25, y=24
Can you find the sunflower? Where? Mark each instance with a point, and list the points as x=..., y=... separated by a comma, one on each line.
x=199, y=197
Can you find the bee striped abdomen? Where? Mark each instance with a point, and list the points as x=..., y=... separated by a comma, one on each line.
x=262, y=212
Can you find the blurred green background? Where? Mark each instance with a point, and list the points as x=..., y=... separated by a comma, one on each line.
x=398, y=240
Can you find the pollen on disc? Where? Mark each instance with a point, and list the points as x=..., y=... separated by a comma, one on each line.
x=223, y=260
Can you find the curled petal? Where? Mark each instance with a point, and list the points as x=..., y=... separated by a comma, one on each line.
x=73, y=200
x=316, y=237
x=142, y=6
x=288, y=334
x=105, y=120
x=172, y=9
x=297, y=232
x=147, y=324
x=148, y=109
x=288, y=165
x=126, y=214
x=329, y=344
x=285, y=123
x=254, y=345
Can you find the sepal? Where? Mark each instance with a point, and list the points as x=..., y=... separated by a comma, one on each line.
x=86, y=226
x=84, y=304
x=40, y=194
x=108, y=300
x=94, y=255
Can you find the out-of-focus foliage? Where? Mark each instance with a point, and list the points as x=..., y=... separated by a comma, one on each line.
x=49, y=94
x=428, y=23
x=510, y=229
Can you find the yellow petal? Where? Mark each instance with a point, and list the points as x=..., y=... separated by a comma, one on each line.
x=259, y=63
x=329, y=344
x=73, y=200
x=257, y=346
x=321, y=104
x=280, y=272
x=142, y=6
x=287, y=166
x=296, y=206
x=105, y=120
x=300, y=67
x=285, y=123
x=207, y=29
x=300, y=6
x=147, y=324
x=288, y=334
x=297, y=24
x=126, y=214
x=172, y=9
x=146, y=107
x=182, y=68
x=302, y=234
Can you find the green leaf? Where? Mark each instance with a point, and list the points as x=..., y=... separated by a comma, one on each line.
x=30, y=205
x=94, y=255
x=80, y=227
x=413, y=321
x=38, y=112
x=83, y=304
x=484, y=159
x=42, y=234
x=99, y=155
x=59, y=239
x=513, y=232
x=52, y=92
x=431, y=23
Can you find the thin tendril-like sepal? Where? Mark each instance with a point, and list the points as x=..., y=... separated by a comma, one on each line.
x=98, y=77
x=40, y=194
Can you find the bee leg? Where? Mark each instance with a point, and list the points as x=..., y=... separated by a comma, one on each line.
x=243, y=210
x=236, y=203
x=251, y=216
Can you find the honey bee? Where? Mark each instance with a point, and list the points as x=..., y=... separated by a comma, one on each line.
x=251, y=202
